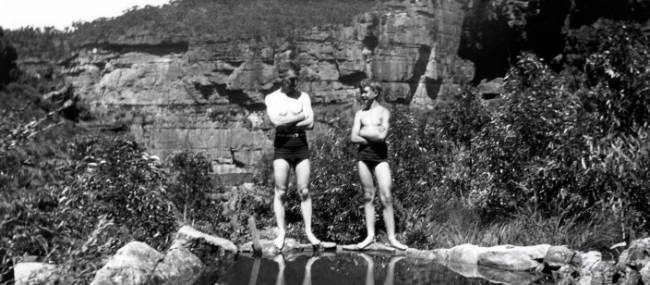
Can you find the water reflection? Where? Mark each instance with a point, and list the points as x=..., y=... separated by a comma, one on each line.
x=340, y=269
x=307, y=276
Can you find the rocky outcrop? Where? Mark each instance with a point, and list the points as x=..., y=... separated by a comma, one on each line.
x=207, y=96
x=132, y=264
x=35, y=273
x=191, y=255
x=634, y=263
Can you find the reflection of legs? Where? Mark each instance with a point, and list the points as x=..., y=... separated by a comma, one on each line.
x=307, y=279
x=279, y=259
x=302, y=181
x=255, y=271
x=369, y=208
x=390, y=273
x=384, y=181
x=370, y=270
x=281, y=170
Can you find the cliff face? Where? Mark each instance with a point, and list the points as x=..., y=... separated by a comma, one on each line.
x=207, y=95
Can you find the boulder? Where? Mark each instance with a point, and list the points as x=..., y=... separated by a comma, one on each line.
x=558, y=256
x=188, y=237
x=514, y=258
x=505, y=257
x=133, y=264
x=464, y=254
x=179, y=266
x=634, y=262
x=26, y=273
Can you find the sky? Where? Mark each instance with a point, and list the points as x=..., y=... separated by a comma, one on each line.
x=61, y=13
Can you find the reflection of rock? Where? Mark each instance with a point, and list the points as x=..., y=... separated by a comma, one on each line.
x=492, y=274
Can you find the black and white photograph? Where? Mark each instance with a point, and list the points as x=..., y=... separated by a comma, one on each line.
x=331, y=142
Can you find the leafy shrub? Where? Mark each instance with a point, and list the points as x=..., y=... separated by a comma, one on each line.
x=190, y=186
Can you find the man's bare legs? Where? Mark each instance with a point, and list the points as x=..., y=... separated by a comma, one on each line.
x=302, y=182
x=281, y=169
x=384, y=181
x=369, y=208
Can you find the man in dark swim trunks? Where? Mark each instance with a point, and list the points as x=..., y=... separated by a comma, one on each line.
x=290, y=112
x=369, y=131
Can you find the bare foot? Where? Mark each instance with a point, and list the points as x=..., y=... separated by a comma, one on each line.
x=312, y=239
x=397, y=245
x=366, y=242
x=278, y=242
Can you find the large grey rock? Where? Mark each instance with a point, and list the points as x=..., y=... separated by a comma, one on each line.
x=189, y=237
x=559, y=255
x=514, y=258
x=179, y=266
x=505, y=257
x=133, y=264
x=634, y=262
x=32, y=273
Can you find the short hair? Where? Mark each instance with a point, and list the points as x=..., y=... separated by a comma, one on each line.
x=374, y=86
x=285, y=66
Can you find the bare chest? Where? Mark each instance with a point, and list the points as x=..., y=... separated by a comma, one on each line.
x=370, y=118
x=291, y=105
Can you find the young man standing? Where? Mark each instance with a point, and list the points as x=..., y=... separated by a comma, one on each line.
x=369, y=131
x=290, y=112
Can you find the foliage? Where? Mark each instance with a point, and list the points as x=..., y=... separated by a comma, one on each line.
x=40, y=43
x=190, y=186
x=573, y=142
x=337, y=194
x=8, y=57
x=611, y=74
x=223, y=20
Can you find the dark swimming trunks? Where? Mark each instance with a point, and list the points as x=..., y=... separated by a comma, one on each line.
x=373, y=153
x=291, y=146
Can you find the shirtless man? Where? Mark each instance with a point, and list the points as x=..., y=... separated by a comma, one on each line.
x=369, y=131
x=290, y=112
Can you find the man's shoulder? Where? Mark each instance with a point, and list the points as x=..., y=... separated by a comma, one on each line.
x=304, y=95
x=384, y=109
x=274, y=95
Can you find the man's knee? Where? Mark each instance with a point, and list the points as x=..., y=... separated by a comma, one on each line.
x=280, y=193
x=303, y=192
x=368, y=194
x=386, y=198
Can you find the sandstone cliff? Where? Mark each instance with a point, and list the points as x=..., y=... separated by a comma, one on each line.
x=207, y=95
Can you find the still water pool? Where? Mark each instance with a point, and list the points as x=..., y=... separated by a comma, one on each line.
x=341, y=269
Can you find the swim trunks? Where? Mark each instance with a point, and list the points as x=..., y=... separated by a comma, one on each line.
x=373, y=153
x=291, y=146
